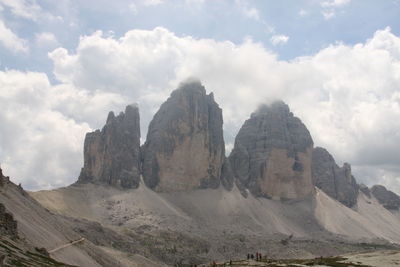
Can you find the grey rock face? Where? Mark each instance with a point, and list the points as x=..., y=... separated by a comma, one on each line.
x=363, y=188
x=185, y=148
x=272, y=154
x=387, y=198
x=8, y=226
x=336, y=182
x=112, y=155
x=227, y=176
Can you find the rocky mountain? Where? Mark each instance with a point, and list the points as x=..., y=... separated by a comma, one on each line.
x=386, y=197
x=112, y=155
x=185, y=149
x=336, y=182
x=29, y=233
x=196, y=205
x=273, y=153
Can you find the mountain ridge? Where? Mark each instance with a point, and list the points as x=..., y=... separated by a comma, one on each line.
x=189, y=202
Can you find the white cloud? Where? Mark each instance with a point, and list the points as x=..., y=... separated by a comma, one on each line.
x=43, y=128
x=247, y=10
x=27, y=9
x=348, y=96
x=46, y=39
x=329, y=7
x=11, y=41
x=279, y=39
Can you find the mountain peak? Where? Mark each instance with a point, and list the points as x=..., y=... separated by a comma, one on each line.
x=111, y=156
x=336, y=182
x=387, y=198
x=184, y=148
x=277, y=106
x=272, y=154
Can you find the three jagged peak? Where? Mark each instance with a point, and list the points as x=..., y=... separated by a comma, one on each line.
x=273, y=155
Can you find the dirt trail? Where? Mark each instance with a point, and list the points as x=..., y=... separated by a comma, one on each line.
x=67, y=245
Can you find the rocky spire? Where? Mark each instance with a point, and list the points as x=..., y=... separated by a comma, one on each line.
x=185, y=149
x=112, y=155
x=272, y=154
x=336, y=182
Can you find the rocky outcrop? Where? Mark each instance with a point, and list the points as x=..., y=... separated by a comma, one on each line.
x=112, y=155
x=8, y=226
x=1, y=178
x=387, y=198
x=337, y=182
x=227, y=176
x=185, y=148
x=272, y=154
x=363, y=188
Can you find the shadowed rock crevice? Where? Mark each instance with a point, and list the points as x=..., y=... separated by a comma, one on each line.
x=112, y=155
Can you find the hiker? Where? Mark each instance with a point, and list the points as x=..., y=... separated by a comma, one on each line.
x=252, y=256
x=260, y=256
x=248, y=256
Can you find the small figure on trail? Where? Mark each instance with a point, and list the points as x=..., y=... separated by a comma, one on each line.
x=252, y=256
x=230, y=262
x=260, y=256
x=248, y=256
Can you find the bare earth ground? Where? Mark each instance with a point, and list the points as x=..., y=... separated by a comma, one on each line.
x=42, y=229
x=197, y=226
x=388, y=258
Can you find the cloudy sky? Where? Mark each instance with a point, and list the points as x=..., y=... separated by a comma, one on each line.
x=64, y=64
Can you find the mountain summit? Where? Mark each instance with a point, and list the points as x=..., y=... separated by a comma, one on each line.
x=272, y=154
x=112, y=155
x=185, y=147
x=196, y=204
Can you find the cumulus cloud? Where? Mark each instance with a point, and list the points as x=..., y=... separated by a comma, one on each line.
x=279, y=39
x=11, y=41
x=27, y=9
x=348, y=96
x=43, y=127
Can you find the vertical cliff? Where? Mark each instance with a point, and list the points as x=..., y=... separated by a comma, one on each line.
x=185, y=148
x=272, y=154
x=337, y=182
x=112, y=155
